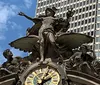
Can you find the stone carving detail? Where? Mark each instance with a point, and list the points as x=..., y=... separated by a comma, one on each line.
x=52, y=48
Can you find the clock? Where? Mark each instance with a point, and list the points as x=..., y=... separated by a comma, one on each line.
x=43, y=75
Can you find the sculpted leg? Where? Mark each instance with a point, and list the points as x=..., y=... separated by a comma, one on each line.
x=41, y=53
x=53, y=43
x=42, y=49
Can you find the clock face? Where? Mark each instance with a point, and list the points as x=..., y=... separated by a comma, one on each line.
x=45, y=75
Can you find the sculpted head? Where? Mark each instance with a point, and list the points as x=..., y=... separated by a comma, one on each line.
x=7, y=54
x=84, y=48
x=50, y=12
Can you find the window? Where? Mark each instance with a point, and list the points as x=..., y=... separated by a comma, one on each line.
x=78, y=23
x=74, y=0
x=92, y=26
x=58, y=4
x=81, y=29
x=88, y=27
x=83, y=9
x=97, y=32
x=67, y=7
x=41, y=3
x=40, y=9
x=85, y=28
x=64, y=2
x=96, y=46
x=72, y=25
x=72, y=18
x=37, y=10
x=68, y=2
x=75, y=17
x=98, y=12
x=70, y=6
x=64, y=8
x=57, y=15
x=90, y=1
x=77, y=4
x=80, y=10
x=79, y=16
x=43, y=8
x=87, y=8
x=98, y=5
x=92, y=33
x=60, y=15
x=73, y=5
x=76, y=11
x=78, y=29
x=93, y=13
x=98, y=25
x=48, y=2
x=63, y=14
x=92, y=19
x=91, y=47
x=86, y=21
x=44, y=2
x=89, y=21
x=89, y=13
x=82, y=15
x=75, y=24
x=38, y=4
x=94, y=0
x=93, y=6
x=83, y=2
x=96, y=54
x=74, y=30
x=61, y=9
x=98, y=18
x=86, y=14
x=97, y=39
x=71, y=1
x=82, y=22
x=88, y=33
x=80, y=3
x=99, y=48
x=90, y=7
x=87, y=1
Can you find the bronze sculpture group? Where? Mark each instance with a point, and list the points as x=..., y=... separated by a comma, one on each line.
x=53, y=55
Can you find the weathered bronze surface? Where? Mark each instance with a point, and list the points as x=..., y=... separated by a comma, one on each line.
x=57, y=57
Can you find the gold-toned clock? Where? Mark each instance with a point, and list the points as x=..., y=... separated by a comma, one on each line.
x=45, y=75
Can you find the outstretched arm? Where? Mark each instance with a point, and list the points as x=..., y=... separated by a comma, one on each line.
x=32, y=19
x=22, y=14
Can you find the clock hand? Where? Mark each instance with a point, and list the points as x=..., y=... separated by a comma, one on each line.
x=44, y=74
x=47, y=77
x=40, y=81
x=45, y=80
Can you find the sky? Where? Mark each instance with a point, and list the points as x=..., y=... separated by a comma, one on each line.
x=13, y=26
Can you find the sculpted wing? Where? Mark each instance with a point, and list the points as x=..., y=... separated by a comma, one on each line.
x=27, y=44
x=73, y=40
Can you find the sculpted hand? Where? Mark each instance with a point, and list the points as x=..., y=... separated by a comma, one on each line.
x=70, y=12
x=21, y=14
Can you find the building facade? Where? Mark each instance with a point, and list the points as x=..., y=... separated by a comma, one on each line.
x=85, y=20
